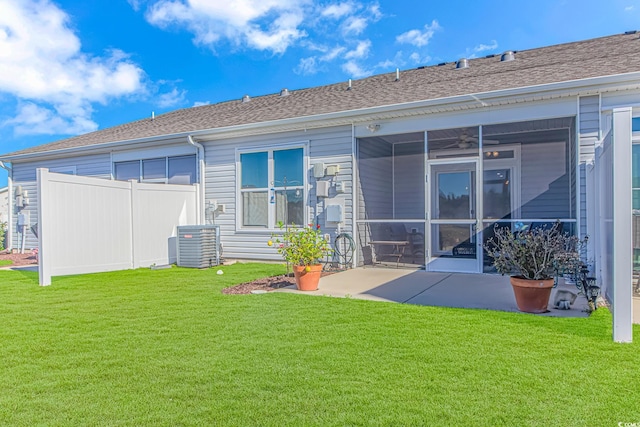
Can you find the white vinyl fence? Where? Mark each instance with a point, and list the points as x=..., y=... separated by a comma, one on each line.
x=612, y=178
x=89, y=225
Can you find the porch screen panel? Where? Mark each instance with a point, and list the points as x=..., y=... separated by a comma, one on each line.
x=529, y=176
x=375, y=171
x=408, y=180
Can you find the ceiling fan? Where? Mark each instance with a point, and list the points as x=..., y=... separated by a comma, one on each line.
x=467, y=141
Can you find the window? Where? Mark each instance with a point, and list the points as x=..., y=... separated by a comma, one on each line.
x=182, y=170
x=154, y=170
x=167, y=170
x=124, y=171
x=272, y=187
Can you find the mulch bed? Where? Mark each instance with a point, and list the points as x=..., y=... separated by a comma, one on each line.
x=265, y=284
x=26, y=258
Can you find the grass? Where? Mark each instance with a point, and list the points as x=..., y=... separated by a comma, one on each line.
x=165, y=347
x=5, y=262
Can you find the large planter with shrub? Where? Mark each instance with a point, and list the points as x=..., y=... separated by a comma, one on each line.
x=533, y=257
x=304, y=248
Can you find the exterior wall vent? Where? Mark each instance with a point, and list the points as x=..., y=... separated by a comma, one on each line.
x=284, y=92
x=508, y=56
x=198, y=246
x=246, y=98
x=462, y=63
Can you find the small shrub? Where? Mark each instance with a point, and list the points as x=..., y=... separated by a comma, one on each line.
x=3, y=234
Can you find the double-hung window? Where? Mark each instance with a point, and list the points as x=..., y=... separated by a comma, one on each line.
x=272, y=186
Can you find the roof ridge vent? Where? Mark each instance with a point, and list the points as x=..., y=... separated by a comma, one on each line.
x=508, y=56
x=284, y=92
x=462, y=63
x=246, y=98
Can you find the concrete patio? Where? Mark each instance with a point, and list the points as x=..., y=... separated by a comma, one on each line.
x=481, y=291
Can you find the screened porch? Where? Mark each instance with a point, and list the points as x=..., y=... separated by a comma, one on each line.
x=431, y=199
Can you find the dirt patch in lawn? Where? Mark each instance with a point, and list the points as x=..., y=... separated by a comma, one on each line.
x=17, y=260
x=265, y=284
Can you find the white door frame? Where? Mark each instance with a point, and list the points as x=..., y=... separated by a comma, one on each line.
x=437, y=263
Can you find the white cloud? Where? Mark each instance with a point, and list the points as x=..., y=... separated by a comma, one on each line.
x=355, y=25
x=629, y=8
x=360, y=52
x=307, y=66
x=33, y=119
x=419, y=38
x=332, y=54
x=171, y=99
x=54, y=82
x=338, y=11
x=271, y=25
x=355, y=70
x=358, y=21
x=135, y=4
x=478, y=49
x=483, y=47
x=419, y=59
x=397, y=62
x=201, y=103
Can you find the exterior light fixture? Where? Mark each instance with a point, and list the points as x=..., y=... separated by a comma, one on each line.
x=373, y=127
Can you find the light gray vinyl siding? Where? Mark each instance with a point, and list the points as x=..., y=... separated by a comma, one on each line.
x=332, y=146
x=24, y=174
x=588, y=132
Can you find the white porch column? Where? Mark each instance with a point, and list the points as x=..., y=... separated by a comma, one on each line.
x=622, y=243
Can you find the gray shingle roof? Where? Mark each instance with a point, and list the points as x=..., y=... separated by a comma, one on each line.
x=604, y=56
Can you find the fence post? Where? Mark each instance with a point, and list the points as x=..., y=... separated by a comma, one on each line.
x=622, y=224
x=44, y=264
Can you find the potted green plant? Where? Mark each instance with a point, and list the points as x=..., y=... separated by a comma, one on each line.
x=532, y=258
x=303, y=248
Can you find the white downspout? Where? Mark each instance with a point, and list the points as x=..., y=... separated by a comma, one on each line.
x=201, y=176
x=9, y=236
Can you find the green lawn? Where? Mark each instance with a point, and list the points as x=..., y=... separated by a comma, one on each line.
x=165, y=347
x=5, y=262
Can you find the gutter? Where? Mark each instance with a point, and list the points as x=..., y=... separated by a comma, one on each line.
x=567, y=88
x=9, y=236
x=202, y=178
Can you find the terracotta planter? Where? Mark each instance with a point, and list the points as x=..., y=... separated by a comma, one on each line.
x=307, y=280
x=532, y=296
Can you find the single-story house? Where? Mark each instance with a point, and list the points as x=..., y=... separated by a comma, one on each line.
x=430, y=157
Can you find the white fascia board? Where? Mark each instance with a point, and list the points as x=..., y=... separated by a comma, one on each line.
x=592, y=85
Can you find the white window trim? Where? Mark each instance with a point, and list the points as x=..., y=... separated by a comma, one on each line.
x=271, y=223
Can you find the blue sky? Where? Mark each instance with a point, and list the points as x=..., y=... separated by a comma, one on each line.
x=69, y=67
